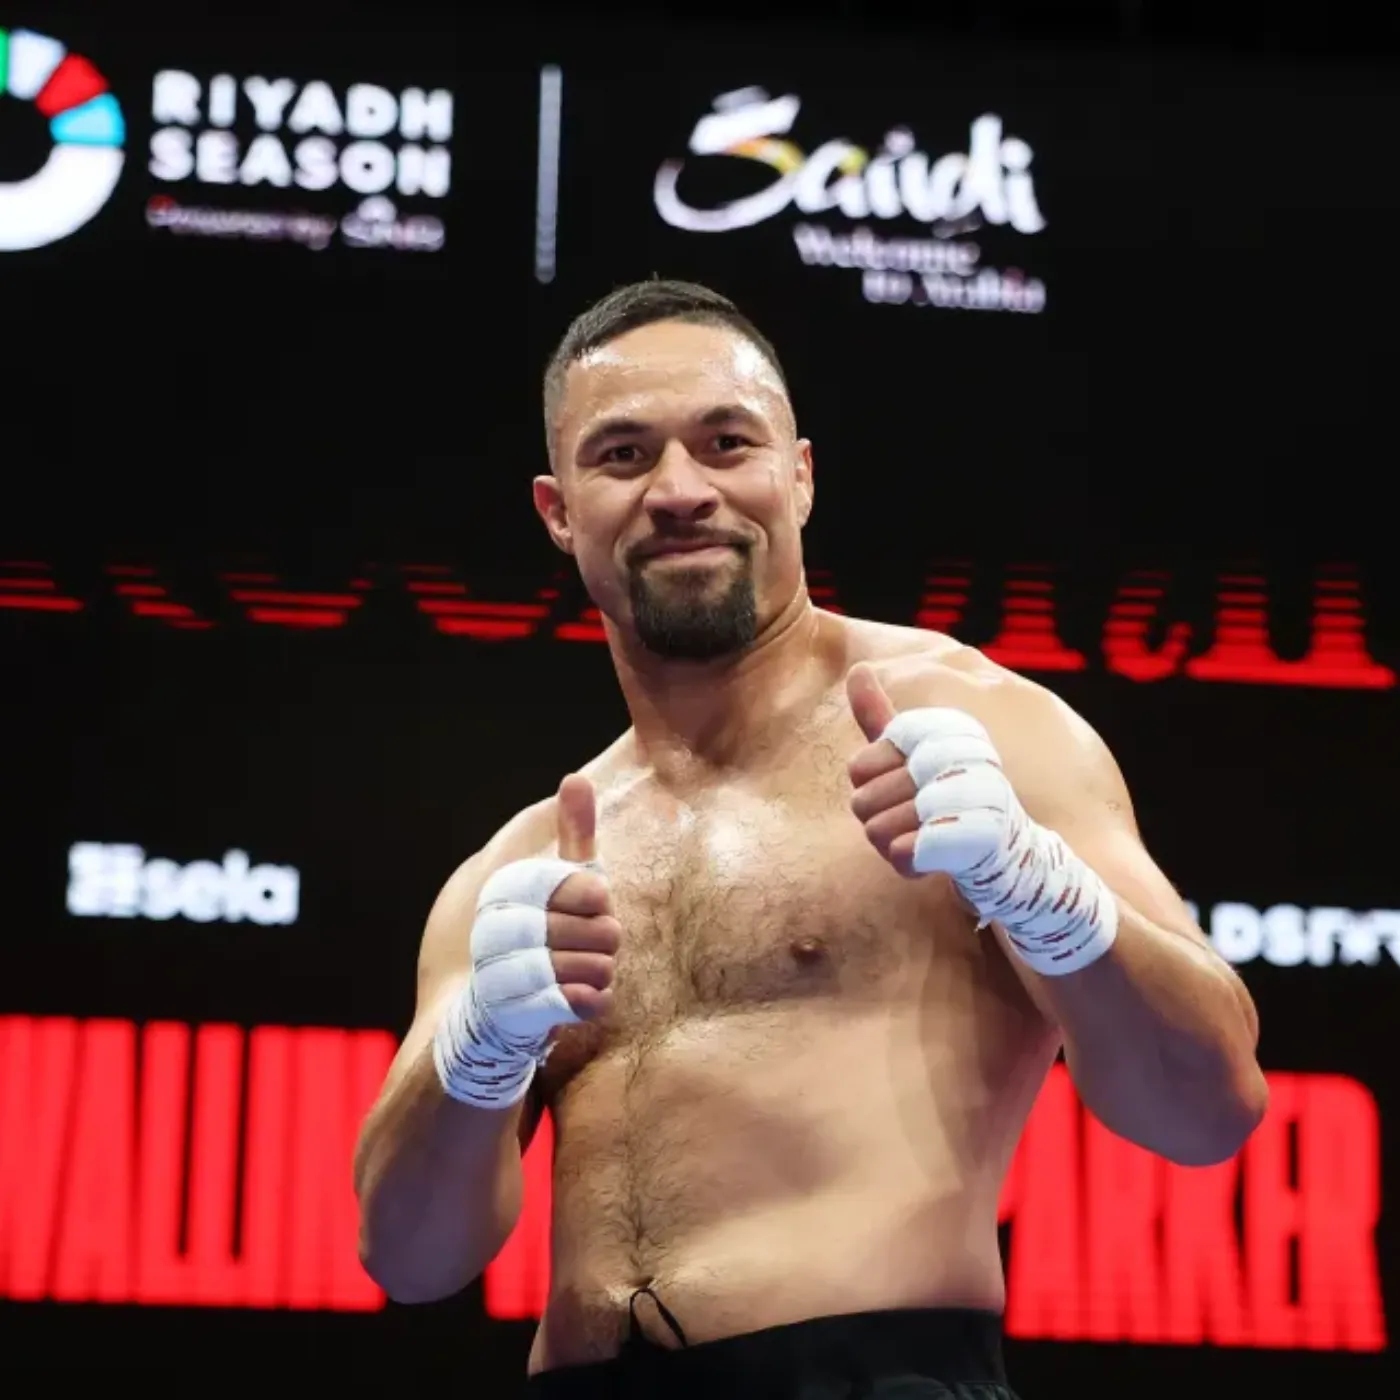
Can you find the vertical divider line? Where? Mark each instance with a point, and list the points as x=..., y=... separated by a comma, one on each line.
x=547, y=177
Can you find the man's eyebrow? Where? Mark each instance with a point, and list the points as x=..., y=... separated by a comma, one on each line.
x=631, y=427
x=730, y=413
x=608, y=428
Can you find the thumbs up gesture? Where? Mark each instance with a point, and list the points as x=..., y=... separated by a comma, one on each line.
x=929, y=786
x=542, y=948
x=581, y=933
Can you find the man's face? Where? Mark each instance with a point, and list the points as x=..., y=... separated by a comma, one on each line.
x=680, y=487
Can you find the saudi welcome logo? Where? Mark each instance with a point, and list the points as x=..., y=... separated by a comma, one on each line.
x=88, y=132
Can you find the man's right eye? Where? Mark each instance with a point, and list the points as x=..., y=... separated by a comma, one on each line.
x=624, y=452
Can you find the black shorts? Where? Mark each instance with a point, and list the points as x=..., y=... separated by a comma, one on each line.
x=910, y=1354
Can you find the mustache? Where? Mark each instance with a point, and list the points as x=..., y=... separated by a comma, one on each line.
x=658, y=544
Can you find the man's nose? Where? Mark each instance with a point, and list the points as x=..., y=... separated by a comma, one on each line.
x=680, y=485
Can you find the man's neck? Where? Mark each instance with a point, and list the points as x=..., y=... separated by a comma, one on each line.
x=689, y=716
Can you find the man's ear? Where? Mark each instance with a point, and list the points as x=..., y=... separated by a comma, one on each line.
x=803, y=474
x=549, y=506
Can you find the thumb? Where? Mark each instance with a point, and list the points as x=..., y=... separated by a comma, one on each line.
x=869, y=703
x=577, y=819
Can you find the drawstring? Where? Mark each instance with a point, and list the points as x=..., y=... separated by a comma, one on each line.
x=634, y=1331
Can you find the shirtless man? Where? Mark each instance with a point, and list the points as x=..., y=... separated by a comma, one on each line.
x=789, y=961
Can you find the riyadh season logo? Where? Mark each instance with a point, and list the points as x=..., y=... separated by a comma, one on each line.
x=121, y=882
x=86, y=131
x=277, y=136
x=988, y=186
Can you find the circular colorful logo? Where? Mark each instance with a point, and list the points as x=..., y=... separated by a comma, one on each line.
x=88, y=132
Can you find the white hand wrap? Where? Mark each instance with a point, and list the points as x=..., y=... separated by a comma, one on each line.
x=491, y=1037
x=1057, y=912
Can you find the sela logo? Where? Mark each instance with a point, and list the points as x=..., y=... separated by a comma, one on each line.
x=84, y=140
x=121, y=882
x=279, y=134
x=988, y=185
x=1288, y=935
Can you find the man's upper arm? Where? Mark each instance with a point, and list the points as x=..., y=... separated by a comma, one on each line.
x=1062, y=771
x=1068, y=781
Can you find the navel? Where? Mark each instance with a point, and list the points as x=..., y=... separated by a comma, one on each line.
x=808, y=950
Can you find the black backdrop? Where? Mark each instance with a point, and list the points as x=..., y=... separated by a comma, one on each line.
x=1201, y=388
x=1212, y=346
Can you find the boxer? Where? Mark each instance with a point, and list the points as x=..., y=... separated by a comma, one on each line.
x=788, y=962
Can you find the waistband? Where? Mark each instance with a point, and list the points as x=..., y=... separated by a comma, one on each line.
x=953, y=1345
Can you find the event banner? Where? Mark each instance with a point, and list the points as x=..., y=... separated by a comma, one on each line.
x=1080, y=277
x=1032, y=309
x=130, y=140
x=930, y=181
x=1015, y=292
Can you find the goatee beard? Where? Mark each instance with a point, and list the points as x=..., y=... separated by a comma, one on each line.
x=679, y=618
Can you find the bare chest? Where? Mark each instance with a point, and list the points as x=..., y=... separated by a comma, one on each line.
x=754, y=900
x=753, y=904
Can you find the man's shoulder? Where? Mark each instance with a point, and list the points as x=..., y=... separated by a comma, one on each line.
x=1027, y=721
x=921, y=667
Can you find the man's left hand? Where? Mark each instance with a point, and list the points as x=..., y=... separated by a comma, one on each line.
x=929, y=786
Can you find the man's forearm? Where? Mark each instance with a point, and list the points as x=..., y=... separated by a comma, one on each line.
x=439, y=1185
x=1160, y=1041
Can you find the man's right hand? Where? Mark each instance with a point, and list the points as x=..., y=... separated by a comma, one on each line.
x=542, y=946
x=583, y=935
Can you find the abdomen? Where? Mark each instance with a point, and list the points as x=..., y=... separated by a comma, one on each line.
x=772, y=1164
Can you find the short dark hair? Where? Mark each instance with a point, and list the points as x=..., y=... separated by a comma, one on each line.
x=643, y=304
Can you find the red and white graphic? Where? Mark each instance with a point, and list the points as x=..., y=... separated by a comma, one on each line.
x=1140, y=638
x=165, y=1165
